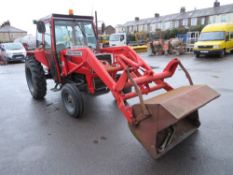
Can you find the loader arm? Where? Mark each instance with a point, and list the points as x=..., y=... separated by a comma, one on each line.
x=125, y=59
x=158, y=123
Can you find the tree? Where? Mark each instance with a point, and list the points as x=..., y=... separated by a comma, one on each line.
x=197, y=28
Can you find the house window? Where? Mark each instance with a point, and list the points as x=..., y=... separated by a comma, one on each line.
x=176, y=24
x=145, y=28
x=212, y=19
x=193, y=21
x=140, y=28
x=153, y=27
x=167, y=25
x=148, y=27
x=223, y=18
x=161, y=25
x=203, y=21
x=185, y=22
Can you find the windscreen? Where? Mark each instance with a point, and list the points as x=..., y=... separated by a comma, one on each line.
x=13, y=46
x=114, y=38
x=212, y=36
x=72, y=34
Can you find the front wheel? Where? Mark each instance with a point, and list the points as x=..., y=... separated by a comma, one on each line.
x=35, y=77
x=197, y=55
x=72, y=100
x=222, y=54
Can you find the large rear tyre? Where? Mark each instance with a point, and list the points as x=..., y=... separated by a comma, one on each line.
x=35, y=77
x=72, y=100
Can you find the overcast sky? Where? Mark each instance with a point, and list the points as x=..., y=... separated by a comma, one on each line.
x=22, y=12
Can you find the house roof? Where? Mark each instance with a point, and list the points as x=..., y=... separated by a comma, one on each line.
x=11, y=29
x=190, y=14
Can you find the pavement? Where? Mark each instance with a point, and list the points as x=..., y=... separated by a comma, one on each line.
x=38, y=137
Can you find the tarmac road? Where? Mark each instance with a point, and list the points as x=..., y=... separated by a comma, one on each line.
x=37, y=137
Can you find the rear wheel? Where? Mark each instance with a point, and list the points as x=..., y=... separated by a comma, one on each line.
x=35, y=77
x=72, y=100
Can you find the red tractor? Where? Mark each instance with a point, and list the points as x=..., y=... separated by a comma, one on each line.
x=67, y=52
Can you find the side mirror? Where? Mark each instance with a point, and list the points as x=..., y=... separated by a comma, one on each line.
x=40, y=26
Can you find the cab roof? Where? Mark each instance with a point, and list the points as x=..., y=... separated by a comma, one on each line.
x=67, y=17
x=227, y=27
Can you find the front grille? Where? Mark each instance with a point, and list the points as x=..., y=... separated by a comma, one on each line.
x=205, y=47
x=18, y=56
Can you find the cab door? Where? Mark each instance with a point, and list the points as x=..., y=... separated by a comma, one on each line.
x=49, y=53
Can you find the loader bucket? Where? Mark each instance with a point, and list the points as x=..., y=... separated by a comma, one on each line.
x=173, y=117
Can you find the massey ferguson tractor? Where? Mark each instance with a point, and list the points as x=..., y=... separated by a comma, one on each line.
x=67, y=52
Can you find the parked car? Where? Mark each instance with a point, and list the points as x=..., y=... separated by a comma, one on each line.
x=215, y=39
x=11, y=52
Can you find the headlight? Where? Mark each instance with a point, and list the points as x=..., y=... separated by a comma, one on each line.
x=8, y=54
x=216, y=47
x=25, y=54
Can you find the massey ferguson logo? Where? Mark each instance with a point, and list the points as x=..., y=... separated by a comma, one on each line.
x=74, y=53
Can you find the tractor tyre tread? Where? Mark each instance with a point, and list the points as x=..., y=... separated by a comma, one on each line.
x=38, y=78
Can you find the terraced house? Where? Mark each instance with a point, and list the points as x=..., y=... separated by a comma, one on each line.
x=215, y=14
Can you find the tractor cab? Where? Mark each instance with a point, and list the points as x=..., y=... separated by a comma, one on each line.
x=64, y=32
x=74, y=34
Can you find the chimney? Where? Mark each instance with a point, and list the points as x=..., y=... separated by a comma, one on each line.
x=216, y=3
x=136, y=18
x=157, y=15
x=182, y=10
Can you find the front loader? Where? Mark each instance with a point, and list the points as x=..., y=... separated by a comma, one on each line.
x=67, y=52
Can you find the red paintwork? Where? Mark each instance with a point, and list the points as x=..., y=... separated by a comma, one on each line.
x=123, y=58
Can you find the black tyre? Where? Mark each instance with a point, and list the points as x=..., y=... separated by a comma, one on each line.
x=222, y=54
x=35, y=77
x=72, y=100
x=197, y=55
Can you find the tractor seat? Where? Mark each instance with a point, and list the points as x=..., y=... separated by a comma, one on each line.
x=60, y=46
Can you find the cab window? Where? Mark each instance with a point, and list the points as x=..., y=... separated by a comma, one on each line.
x=38, y=39
x=47, y=37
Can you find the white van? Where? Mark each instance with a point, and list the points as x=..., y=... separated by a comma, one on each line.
x=117, y=39
x=11, y=52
